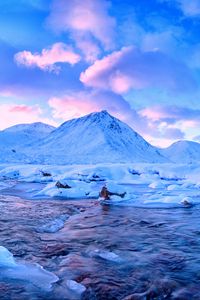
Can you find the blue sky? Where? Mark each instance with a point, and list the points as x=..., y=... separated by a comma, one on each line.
x=140, y=60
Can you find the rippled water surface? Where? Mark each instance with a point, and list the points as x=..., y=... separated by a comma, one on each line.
x=157, y=251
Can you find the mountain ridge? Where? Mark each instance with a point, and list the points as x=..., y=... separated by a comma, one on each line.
x=95, y=138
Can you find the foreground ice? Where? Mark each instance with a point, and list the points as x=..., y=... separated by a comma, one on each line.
x=32, y=273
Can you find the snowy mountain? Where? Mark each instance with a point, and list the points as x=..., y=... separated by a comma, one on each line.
x=15, y=138
x=182, y=152
x=95, y=138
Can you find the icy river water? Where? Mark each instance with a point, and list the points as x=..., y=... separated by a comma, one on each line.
x=115, y=252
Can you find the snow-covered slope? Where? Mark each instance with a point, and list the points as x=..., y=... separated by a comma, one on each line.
x=183, y=152
x=15, y=138
x=95, y=138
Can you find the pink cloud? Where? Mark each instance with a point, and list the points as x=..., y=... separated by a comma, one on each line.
x=86, y=20
x=57, y=53
x=73, y=105
x=23, y=109
x=155, y=113
x=131, y=68
x=12, y=114
x=171, y=114
x=88, y=47
x=70, y=106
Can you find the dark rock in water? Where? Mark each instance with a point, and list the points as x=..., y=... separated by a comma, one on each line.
x=134, y=172
x=45, y=174
x=105, y=193
x=55, y=250
x=61, y=185
x=95, y=177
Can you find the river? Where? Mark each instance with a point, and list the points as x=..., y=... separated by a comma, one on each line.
x=116, y=252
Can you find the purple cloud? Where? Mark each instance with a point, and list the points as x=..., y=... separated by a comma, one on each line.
x=131, y=68
x=87, y=21
x=47, y=60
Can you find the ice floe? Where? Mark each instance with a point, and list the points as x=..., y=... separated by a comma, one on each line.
x=32, y=273
x=75, y=287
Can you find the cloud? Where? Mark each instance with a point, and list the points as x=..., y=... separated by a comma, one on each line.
x=173, y=133
x=190, y=8
x=47, y=60
x=87, y=21
x=77, y=104
x=131, y=68
x=171, y=114
x=12, y=114
x=169, y=119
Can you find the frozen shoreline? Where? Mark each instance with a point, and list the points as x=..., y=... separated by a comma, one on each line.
x=144, y=185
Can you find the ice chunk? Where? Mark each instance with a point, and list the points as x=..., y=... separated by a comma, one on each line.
x=53, y=225
x=104, y=254
x=77, y=190
x=6, y=258
x=32, y=273
x=156, y=185
x=115, y=188
x=75, y=286
x=173, y=187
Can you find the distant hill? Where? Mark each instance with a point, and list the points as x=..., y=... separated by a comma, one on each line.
x=182, y=152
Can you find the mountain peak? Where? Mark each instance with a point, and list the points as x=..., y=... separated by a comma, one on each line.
x=99, y=115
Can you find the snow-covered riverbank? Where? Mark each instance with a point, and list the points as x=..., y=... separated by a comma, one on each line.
x=144, y=185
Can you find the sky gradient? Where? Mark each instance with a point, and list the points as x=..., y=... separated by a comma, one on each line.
x=140, y=60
